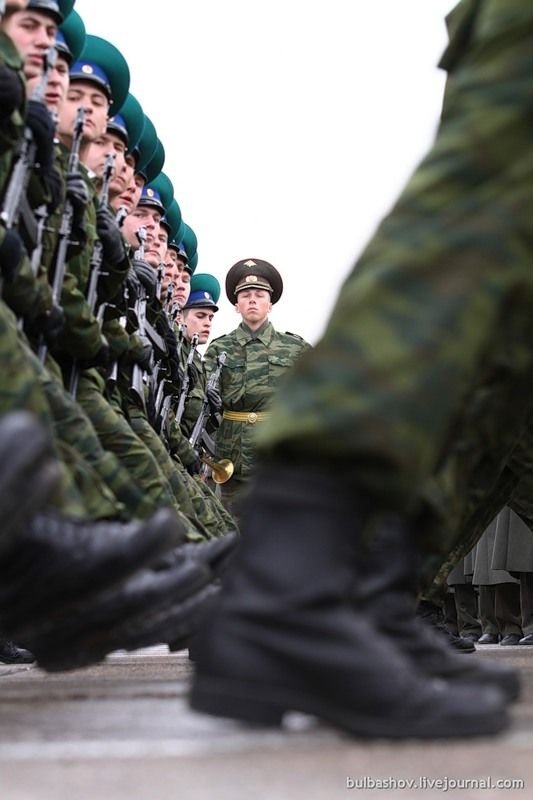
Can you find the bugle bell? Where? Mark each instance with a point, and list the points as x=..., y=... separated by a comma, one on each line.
x=221, y=471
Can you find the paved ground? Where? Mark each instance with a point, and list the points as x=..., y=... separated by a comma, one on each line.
x=122, y=731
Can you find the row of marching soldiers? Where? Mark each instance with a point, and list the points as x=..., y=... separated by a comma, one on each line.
x=110, y=539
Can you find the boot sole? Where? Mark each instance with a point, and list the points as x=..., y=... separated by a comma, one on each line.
x=266, y=705
x=145, y=630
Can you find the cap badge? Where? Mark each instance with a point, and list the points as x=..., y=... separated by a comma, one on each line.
x=250, y=263
x=251, y=279
x=87, y=69
x=150, y=193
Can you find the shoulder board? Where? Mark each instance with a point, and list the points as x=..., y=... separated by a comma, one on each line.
x=220, y=338
x=295, y=336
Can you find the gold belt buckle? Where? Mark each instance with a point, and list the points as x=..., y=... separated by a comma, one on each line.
x=252, y=418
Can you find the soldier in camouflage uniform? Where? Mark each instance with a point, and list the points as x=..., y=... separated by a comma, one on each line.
x=21, y=374
x=48, y=560
x=258, y=356
x=147, y=214
x=197, y=316
x=90, y=350
x=430, y=346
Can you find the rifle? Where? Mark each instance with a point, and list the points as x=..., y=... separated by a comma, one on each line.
x=186, y=379
x=137, y=377
x=112, y=378
x=20, y=174
x=96, y=262
x=165, y=406
x=158, y=385
x=199, y=426
x=41, y=214
x=65, y=229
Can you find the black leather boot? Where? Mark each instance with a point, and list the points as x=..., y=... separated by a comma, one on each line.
x=10, y=653
x=216, y=552
x=146, y=609
x=389, y=584
x=29, y=473
x=287, y=634
x=56, y=559
x=433, y=616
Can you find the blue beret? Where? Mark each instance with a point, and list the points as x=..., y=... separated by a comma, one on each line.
x=103, y=64
x=205, y=291
x=151, y=197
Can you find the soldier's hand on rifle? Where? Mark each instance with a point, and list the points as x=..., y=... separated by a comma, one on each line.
x=54, y=184
x=176, y=372
x=42, y=126
x=51, y=324
x=77, y=192
x=133, y=284
x=102, y=357
x=110, y=236
x=144, y=355
x=215, y=401
x=193, y=466
x=147, y=277
x=11, y=254
x=193, y=376
x=11, y=90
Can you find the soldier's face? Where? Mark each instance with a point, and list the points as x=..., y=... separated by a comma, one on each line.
x=56, y=87
x=32, y=33
x=100, y=149
x=182, y=283
x=254, y=306
x=141, y=217
x=84, y=94
x=157, y=250
x=200, y=321
x=131, y=194
x=169, y=274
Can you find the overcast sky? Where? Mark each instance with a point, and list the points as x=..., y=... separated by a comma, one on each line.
x=289, y=126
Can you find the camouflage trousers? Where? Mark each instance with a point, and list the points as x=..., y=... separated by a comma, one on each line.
x=208, y=488
x=110, y=492
x=174, y=472
x=116, y=435
x=420, y=386
x=20, y=388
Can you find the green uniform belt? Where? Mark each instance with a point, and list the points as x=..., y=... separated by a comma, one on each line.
x=251, y=417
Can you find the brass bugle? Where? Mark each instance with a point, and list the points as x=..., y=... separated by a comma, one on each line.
x=221, y=471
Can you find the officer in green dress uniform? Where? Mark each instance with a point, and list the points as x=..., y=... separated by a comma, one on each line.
x=257, y=358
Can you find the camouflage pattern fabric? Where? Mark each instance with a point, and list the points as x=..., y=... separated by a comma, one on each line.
x=173, y=472
x=116, y=435
x=10, y=126
x=114, y=481
x=20, y=389
x=255, y=364
x=514, y=487
x=442, y=293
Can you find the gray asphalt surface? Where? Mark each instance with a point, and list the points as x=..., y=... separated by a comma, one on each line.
x=122, y=731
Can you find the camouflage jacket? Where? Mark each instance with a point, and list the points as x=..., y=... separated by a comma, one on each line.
x=254, y=365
